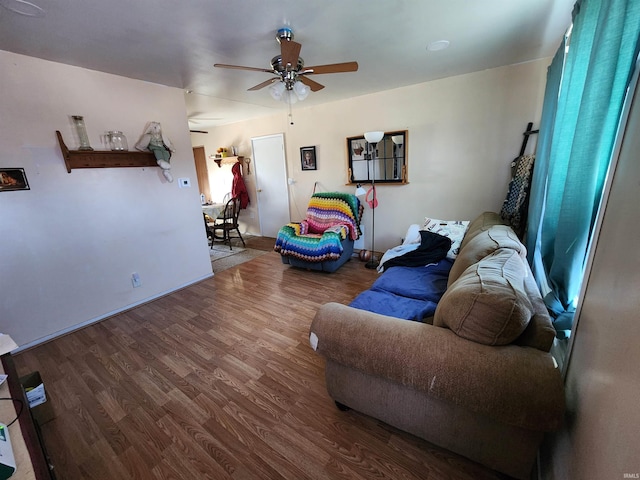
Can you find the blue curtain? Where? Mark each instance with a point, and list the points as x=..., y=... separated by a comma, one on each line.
x=567, y=187
x=543, y=151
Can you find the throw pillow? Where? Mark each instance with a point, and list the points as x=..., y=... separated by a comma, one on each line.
x=452, y=229
x=488, y=304
x=412, y=235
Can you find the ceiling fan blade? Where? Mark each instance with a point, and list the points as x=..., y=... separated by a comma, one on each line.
x=333, y=68
x=238, y=67
x=290, y=52
x=263, y=84
x=312, y=84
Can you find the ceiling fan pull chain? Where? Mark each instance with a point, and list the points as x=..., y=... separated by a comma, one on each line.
x=290, y=115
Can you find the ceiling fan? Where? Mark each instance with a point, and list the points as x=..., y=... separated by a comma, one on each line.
x=290, y=72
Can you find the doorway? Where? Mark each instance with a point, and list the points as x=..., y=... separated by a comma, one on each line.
x=202, y=172
x=272, y=192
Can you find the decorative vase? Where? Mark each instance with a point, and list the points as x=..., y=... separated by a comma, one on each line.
x=117, y=141
x=78, y=121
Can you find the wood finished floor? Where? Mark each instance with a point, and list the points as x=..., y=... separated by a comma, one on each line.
x=217, y=381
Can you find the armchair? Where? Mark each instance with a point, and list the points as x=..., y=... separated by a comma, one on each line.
x=324, y=239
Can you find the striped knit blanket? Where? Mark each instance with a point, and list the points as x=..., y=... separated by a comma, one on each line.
x=331, y=218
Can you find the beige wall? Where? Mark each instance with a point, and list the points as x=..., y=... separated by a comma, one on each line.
x=71, y=243
x=463, y=133
x=600, y=437
x=69, y=246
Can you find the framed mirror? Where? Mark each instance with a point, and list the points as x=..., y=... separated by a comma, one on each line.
x=388, y=162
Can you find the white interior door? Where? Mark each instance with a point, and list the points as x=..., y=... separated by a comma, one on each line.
x=270, y=170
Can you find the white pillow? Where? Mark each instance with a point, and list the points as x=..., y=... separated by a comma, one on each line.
x=453, y=229
x=413, y=235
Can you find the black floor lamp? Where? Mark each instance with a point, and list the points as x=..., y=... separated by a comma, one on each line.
x=373, y=138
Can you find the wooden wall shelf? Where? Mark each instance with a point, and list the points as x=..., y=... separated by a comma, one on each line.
x=228, y=160
x=104, y=158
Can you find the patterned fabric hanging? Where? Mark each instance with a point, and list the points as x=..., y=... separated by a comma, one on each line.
x=514, y=207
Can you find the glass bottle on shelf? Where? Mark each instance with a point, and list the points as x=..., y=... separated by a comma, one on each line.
x=78, y=121
x=117, y=141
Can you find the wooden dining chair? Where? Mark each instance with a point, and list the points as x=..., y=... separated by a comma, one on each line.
x=228, y=223
x=208, y=228
x=225, y=200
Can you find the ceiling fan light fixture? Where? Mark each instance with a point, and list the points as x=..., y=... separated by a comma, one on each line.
x=290, y=97
x=277, y=90
x=289, y=93
x=301, y=90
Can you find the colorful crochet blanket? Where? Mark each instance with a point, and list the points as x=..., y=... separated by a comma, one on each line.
x=331, y=218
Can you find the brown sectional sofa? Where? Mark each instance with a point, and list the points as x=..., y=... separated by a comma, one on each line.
x=479, y=380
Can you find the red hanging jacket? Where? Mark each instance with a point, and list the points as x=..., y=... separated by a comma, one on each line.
x=238, y=188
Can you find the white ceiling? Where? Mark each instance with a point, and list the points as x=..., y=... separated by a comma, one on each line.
x=176, y=43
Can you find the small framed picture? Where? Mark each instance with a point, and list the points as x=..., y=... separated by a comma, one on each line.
x=13, y=179
x=308, y=158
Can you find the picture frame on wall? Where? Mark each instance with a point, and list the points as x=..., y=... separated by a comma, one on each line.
x=308, y=158
x=13, y=179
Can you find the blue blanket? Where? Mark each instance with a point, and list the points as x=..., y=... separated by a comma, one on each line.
x=410, y=293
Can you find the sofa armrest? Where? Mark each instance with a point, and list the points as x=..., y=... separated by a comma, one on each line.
x=517, y=385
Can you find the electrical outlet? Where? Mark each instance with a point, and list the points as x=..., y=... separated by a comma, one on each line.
x=184, y=182
x=135, y=280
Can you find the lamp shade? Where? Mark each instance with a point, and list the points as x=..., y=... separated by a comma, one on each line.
x=289, y=97
x=360, y=191
x=373, y=137
x=277, y=90
x=301, y=90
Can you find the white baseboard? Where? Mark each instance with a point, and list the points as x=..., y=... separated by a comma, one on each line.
x=78, y=326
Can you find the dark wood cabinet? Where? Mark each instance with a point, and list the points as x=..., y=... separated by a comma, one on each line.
x=28, y=427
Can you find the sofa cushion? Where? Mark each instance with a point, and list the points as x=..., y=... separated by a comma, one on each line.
x=488, y=303
x=483, y=244
x=481, y=223
x=540, y=332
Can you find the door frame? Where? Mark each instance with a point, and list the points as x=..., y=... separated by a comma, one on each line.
x=202, y=172
x=256, y=171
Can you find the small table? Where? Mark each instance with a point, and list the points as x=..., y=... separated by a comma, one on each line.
x=213, y=210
